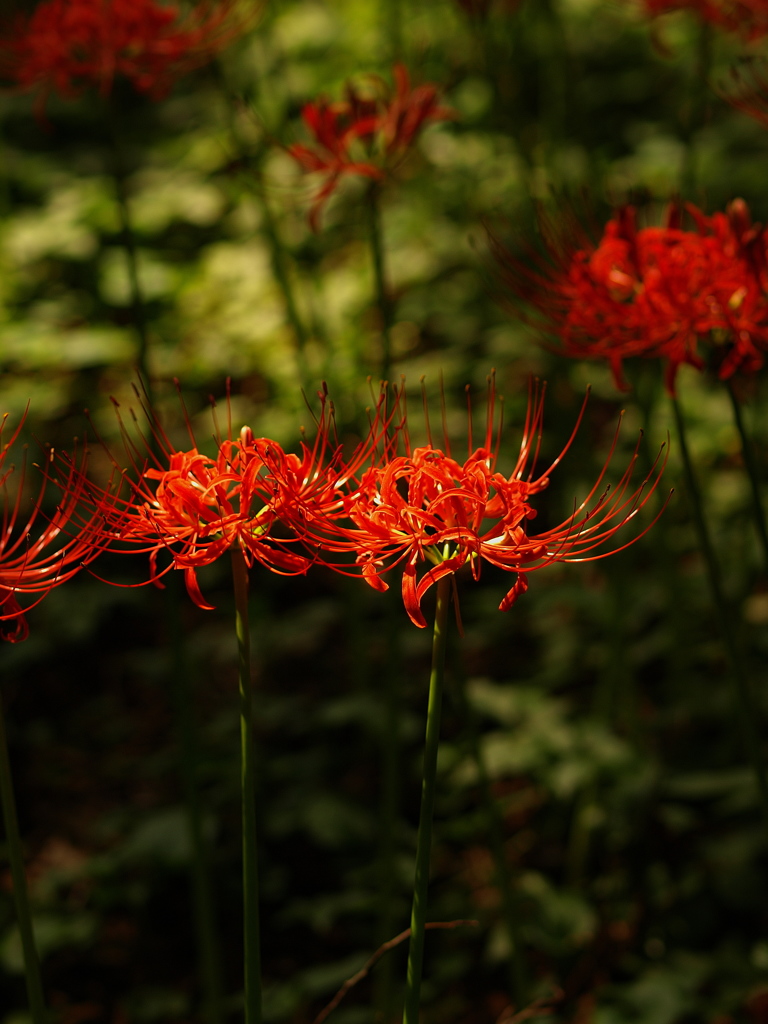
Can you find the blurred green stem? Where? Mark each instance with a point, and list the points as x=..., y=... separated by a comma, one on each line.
x=554, y=86
x=281, y=271
x=698, y=106
x=279, y=257
x=429, y=774
x=748, y=709
x=393, y=17
x=252, y=953
x=20, y=896
x=202, y=894
x=753, y=474
x=373, y=206
x=128, y=240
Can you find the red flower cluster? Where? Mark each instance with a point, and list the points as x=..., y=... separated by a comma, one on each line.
x=658, y=292
x=424, y=506
x=35, y=560
x=387, y=504
x=365, y=134
x=749, y=18
x=71, y=45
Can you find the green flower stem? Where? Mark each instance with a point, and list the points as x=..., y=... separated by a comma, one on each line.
x=556, y=81
x=383, y=300
x=748, y=709
x=697, y=107
x=750, y=464
x=252, y=953
x=128, y=240
x=253, y=180
x=424, y=842
x=202, y=893
x=393, y=27
x=20, y=897
x=137, y=301
x=279, y=262
x=280, y=269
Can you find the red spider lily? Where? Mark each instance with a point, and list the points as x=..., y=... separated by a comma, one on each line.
x=251, y=494
x=364, y=134
x=45, y=551
x=425, y=506
x=657, y=292
x=749, y=18
x=71, y=45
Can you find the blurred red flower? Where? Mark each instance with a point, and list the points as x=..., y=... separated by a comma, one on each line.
x=424, y=506
x=71, y=45
x=44, y=551
x=366, y=133
x=658, y=292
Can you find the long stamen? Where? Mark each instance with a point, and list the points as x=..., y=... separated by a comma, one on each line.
x=425, y=406
x=443, y=418
x=469, y=419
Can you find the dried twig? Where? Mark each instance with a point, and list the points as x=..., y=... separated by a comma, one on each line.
x=371, y=961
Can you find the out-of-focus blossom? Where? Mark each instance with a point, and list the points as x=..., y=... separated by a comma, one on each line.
x=367, y=133
x=39, y=551
x=658, y=292
x=748, y=18
x=426, y=507
x=68, y=46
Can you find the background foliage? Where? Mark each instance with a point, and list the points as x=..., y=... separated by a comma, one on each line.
x=607, y=728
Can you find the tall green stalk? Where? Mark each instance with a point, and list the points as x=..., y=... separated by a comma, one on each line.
x=429, y=774
x=128, y=241
x=697, y=107
x=753, y=474
x=251, y=944
x=383, y=299
x=20, y=897
x=281, y=270
x=280, y=259
x=393, y=28
x=556, y=83
x=748, y=709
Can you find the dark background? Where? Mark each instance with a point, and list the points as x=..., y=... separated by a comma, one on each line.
x=602, y=704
